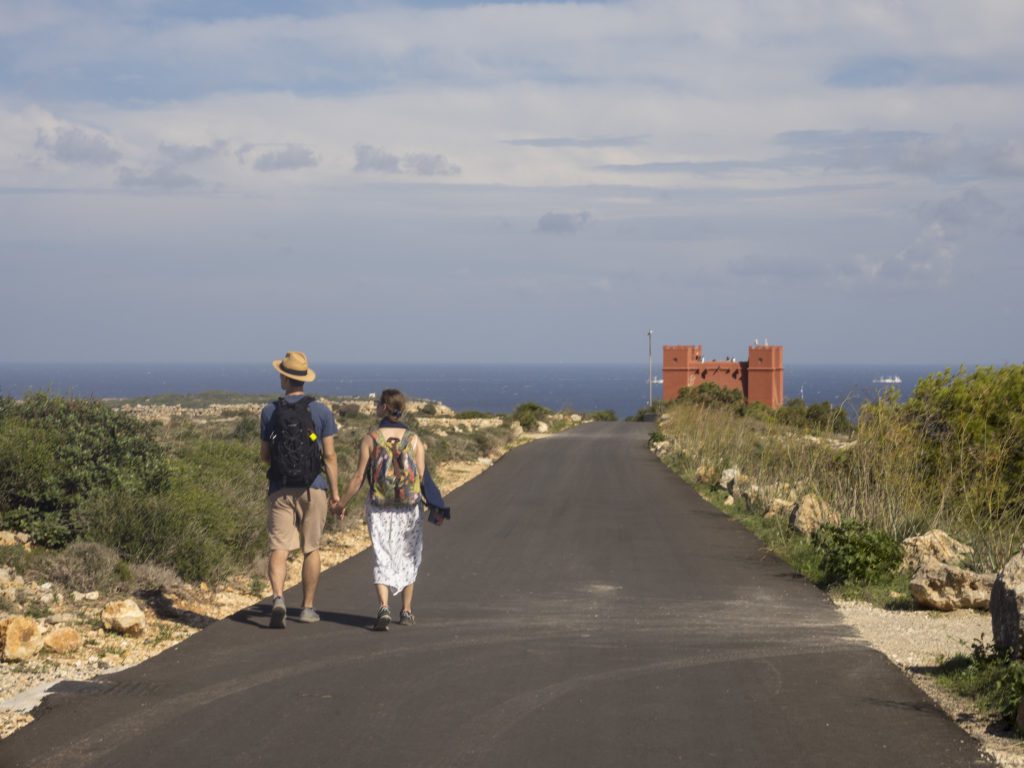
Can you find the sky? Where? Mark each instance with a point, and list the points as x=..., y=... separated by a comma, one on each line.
x=225, y=180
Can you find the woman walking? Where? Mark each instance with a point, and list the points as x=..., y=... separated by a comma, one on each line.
x=391, y=458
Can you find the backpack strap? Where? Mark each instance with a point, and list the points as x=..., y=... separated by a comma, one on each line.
x=406, y=439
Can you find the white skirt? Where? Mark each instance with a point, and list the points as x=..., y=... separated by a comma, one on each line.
x=397, y=536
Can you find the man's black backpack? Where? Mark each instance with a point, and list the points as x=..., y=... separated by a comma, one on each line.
x=295, y=455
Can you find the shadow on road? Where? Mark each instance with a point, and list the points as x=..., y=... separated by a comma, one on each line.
x=259, y=617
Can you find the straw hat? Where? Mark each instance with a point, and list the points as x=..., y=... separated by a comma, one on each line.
x=295, y=366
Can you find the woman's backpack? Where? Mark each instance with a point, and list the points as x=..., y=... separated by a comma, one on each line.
x=392, y=471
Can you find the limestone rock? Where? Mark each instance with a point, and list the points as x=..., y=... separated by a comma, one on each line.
x=935, y=544
x=13, y=539
x=729, y=501
x=780, y=508
x=725, y=482
x=542, y=427
x=20, y=638
x=704, y=474
x=576, y=418
x=944, y=587
x=1007, y=607
x=63, y=640
x=516, y=428
x=124, y=617
x=811, y=514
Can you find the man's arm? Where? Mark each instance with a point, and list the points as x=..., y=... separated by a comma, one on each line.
x=331, y=469
x=265, y=452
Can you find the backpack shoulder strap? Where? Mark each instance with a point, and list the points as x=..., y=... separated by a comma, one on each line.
x=406, y=439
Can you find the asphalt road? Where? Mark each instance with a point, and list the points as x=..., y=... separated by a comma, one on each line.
x=584, y=608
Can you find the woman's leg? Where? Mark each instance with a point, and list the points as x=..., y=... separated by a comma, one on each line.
x=382, y=593
x=407, y=598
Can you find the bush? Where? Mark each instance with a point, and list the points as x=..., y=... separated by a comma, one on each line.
x=55, y=453
x=710, y=394
x=428, y=409
x=854, y=553
x=86, y=566
x=605, y=415
x=529, y=414
x=474, y=415
x=991, y=677
x=205, y=525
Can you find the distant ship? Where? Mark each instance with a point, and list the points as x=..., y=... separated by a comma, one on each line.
x=888, y=380
x=657, y=380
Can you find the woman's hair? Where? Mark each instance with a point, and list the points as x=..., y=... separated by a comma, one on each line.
x=393, y=401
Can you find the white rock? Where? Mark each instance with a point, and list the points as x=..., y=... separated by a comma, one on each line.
x=811, y=514
x=124, y=617
x=542, y=427
x=944, y=587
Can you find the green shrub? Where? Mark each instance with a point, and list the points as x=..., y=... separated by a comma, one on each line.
x=474, y=415
x=428, y=409
x=605, y=415
x=205, y=525
x=854, y=553
x=529, y=414
x=85, y=566
x=994, y=679
x=710, y=394
x=55, y=453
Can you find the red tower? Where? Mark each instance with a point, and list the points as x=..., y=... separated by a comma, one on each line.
x=759, y=377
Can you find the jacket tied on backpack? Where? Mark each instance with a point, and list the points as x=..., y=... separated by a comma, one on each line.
x=392, y=471
x=296, y=452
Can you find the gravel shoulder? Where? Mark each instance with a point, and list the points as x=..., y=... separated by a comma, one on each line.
x=916, y=641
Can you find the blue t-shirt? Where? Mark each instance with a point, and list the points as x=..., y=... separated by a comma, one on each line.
x=323, y=419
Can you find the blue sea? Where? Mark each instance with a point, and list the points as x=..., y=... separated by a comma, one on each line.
x=495, y=388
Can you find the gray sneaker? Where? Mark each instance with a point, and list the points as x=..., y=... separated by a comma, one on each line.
x=383, y=619
x=278, y=613
x=406, y=618
x=308, y=616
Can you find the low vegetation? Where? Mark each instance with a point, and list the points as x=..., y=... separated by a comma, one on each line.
x=117, y=502
x=951, y=456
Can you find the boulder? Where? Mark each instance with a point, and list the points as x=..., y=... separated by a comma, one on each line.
x=124, y=617
x=542, y=427
x=576, y=418
x=729, y=501
x=936, y=544
x=516, y=429
x=780, y=508
x=63, y=640
x=811, y=514
x=729, y=476
x=1007, y=607
x=7, y=539
x=704, y=475
x=944, y=587
x=20, y=638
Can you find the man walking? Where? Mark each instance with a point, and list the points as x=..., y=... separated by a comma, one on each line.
x=297, y=441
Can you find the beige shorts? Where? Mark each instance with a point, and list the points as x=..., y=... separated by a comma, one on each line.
x=296, y=518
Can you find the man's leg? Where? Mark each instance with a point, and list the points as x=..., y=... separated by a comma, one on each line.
x=275, y=571
x=310, y=577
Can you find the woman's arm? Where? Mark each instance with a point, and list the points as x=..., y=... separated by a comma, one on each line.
x=357, y=479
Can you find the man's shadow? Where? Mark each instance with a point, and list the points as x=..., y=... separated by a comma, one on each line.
x=259, y=616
